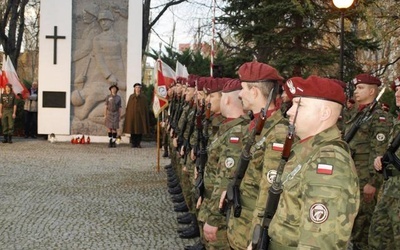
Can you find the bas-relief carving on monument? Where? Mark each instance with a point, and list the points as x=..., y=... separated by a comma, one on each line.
x=99, y=47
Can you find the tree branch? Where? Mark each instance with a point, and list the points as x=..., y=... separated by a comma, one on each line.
x=169, y=4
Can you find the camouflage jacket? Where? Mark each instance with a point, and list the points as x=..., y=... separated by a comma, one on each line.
x=370, y=141
x=320, y=197
x=266, y=154
x=391, y=187
x=227, y=140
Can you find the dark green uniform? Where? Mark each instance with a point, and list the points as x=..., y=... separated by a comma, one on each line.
x=369, y=142
x=384, y=232
x=7, y=121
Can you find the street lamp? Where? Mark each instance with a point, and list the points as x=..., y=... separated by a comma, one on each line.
x=342, y=5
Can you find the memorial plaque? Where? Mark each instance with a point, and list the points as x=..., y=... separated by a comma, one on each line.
x=53, y=99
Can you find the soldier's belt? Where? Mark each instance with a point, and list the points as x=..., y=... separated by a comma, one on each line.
x=247, y=202
x=277, y=246
x=361, y=157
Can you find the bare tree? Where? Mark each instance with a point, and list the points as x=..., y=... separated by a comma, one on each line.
x=12, y=25
x=148, y=22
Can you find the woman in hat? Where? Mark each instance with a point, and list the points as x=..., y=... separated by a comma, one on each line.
x=113, y=114
x=137, y=121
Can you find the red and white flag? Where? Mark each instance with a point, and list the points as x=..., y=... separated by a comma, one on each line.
x=9, y=75
x=181, y=71
x=165, y=76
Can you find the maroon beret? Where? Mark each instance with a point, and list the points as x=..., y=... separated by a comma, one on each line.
x=232, y=85
x=395, y=83
x=315, y=87
x=352, y=101
x=191, y=81
x=201, y=81
x=181, y=80
x=341, y=83
x=212, y=85
x=255, y=71
x=366, y=79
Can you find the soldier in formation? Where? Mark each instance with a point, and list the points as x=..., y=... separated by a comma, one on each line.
x=223, y=162
x=367, y=133
x=384, y=232
x=320, y=197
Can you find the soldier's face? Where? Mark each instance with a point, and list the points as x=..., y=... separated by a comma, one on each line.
x=397, y=95
x=247, y=95
x=364, y=93
x=215, y=100
x=189, y=93
x=308, y=115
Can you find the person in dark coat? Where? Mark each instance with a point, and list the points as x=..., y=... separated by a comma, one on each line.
x=137, y=120
x=112, y=113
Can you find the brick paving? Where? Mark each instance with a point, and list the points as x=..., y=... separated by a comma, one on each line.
x=65, y=196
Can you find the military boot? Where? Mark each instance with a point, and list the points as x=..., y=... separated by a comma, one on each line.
x=5, y=139
x=9, y=138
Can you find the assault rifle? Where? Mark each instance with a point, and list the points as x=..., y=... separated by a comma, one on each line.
x=187, y=146
x=177, y=116
x=232, y=197
x=365, y=115
x=181, y=137
x=260, y=238
x=390, y=157
x=202, y=159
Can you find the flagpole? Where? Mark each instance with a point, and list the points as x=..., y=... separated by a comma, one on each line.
x=212, y=41
x=158, y=120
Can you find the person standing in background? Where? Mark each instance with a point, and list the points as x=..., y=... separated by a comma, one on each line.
x=113, y=114
x=30, y=112
x=137, y=120
x=8, y=110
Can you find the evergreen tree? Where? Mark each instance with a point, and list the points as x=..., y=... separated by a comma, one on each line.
x=298, y=37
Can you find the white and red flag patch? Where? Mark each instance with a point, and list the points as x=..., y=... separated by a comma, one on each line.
x=234, y=139
x=277, y=146
x=382, y=118
x=324, y=169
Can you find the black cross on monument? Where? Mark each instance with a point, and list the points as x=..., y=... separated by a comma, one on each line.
x=55, y=37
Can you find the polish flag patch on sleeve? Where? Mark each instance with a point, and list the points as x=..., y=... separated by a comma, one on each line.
x=324, y=169
x=234, y=139
x=277, y=146
x=382, y=118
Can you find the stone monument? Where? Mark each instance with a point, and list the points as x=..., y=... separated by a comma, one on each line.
x=91, y=52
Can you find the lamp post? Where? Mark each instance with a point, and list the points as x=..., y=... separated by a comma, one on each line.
x=342, y=5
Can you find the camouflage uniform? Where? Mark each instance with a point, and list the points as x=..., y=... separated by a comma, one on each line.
x=384, y=232
x=320, y=196
x=254, y=186
x=183, y=176
x=225, y=147
x=209, y=173
x=7, y=121
x=370, y=141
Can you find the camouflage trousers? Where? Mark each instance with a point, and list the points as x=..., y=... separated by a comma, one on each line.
x=359, y=234
x=7, y=121
x=384, y=232
x=221, y=243
x=239, y=229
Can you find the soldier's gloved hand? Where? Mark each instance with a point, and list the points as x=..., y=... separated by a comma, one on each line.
x=369, y=192
x=378, y=163
x=198, y=203
x=210, y=232
x=222, y=199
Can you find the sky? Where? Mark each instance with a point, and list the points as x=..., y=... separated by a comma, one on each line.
x=188, y=17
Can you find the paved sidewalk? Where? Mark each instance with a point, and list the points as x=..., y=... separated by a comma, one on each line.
x=65, y=196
